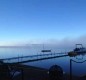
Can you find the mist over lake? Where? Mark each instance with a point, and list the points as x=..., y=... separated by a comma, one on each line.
x=15, y=51
x=35, y=49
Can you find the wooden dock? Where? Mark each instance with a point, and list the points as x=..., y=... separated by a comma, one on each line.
x=32, y=58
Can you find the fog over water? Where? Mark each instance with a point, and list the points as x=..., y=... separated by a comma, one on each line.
x=55, y=45
x=63, y=45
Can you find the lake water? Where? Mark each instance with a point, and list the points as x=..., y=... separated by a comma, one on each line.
x=64, y=62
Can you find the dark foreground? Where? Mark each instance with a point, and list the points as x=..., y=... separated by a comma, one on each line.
x=35, y=73
x=24, y=72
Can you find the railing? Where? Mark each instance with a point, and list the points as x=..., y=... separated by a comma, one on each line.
x=33, y=57
x=71, y=60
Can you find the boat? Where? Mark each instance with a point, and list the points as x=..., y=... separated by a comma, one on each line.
x=78, y=50
x=45, y=50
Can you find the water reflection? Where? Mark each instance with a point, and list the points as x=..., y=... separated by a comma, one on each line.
x=64, y=62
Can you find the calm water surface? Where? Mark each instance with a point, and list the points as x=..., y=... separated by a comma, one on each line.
x=64, y=62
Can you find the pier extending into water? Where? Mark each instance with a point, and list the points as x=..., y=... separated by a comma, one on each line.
x=31, y=58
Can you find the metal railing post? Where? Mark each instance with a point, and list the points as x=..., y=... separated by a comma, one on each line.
x=70, y=69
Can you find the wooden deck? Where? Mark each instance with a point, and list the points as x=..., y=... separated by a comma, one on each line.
x=32, y=58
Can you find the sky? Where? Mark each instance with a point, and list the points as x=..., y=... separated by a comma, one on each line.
x=39, y=21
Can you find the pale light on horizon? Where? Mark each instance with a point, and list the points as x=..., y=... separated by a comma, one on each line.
x=60, y=42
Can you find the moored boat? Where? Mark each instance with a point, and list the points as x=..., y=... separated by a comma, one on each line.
x=45, y=50
x=78, y=50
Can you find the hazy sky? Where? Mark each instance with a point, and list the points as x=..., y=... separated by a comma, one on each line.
x=35, y=21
